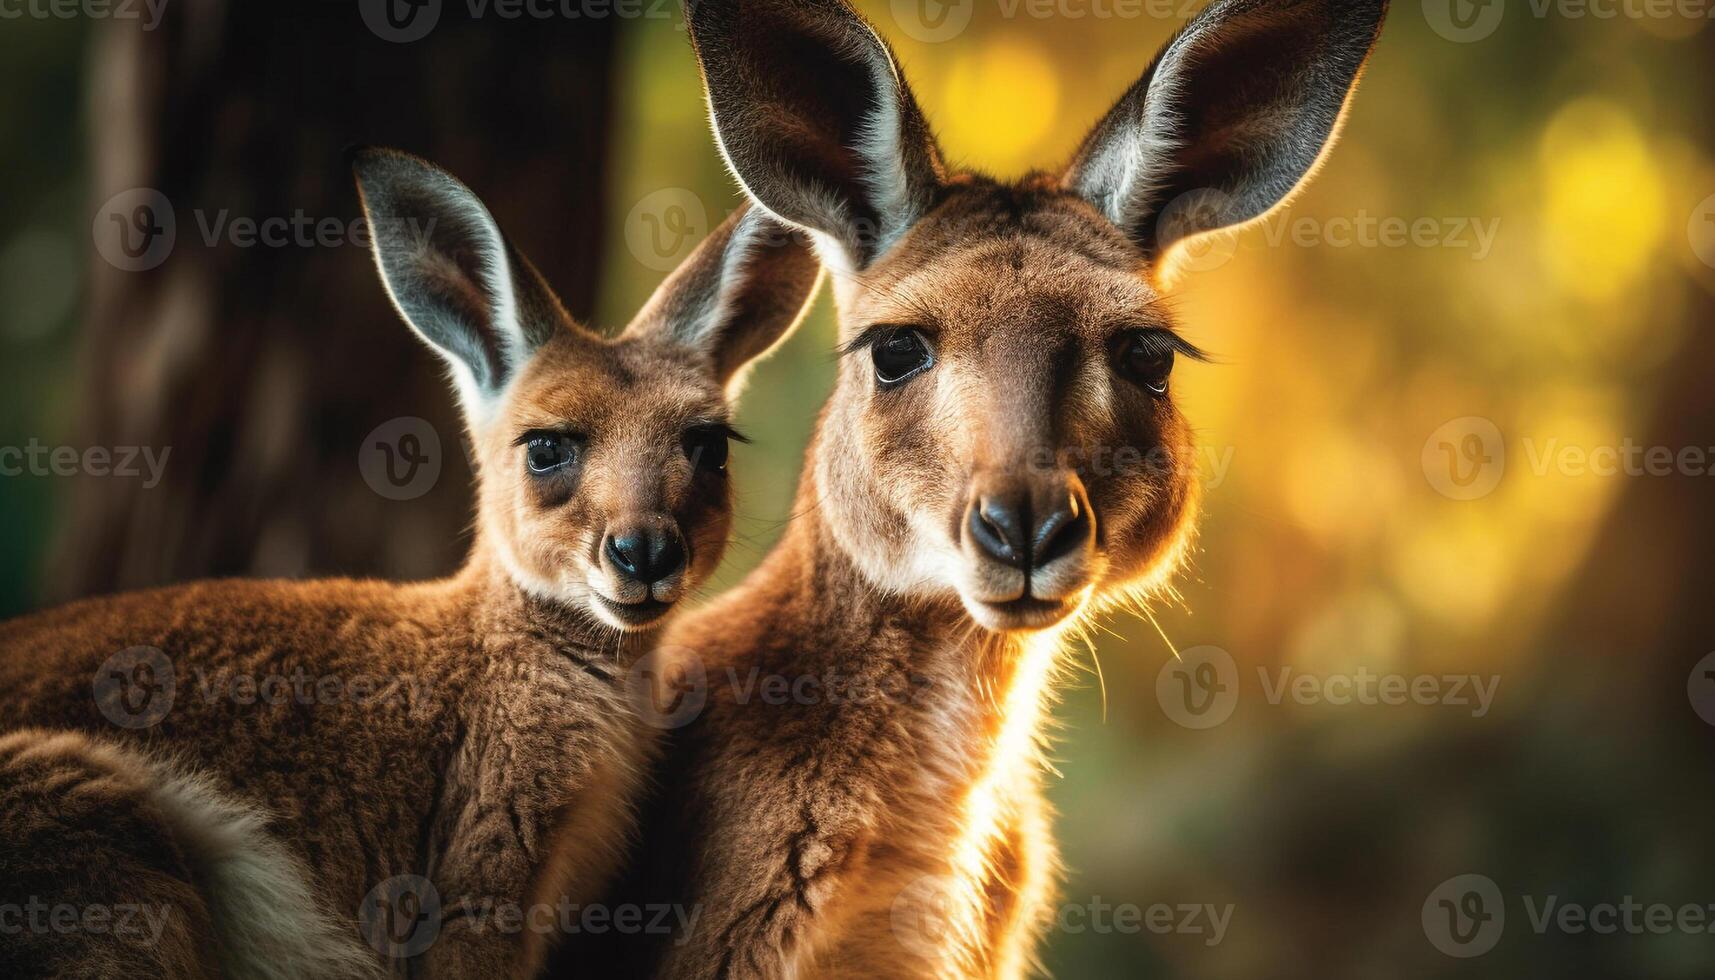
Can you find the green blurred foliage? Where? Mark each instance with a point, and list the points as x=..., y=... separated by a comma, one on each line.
x=44, y=243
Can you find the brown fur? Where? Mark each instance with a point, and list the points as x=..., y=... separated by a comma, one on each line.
x=898, y=828
x=67, y=799
x=814, y=820
x=498, y=749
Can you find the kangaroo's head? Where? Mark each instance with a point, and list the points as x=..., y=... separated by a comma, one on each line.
x=601, y=461
x=1003, y=425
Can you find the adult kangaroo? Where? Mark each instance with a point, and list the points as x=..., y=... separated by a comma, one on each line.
x=268, y=766
x=1001, y=456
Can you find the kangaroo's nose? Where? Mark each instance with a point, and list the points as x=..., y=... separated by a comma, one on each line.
x=1008, y=529
x=646, y=554
x=997, y=526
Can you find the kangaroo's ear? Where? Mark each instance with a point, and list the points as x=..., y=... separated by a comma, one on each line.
x=1234, y=112
x=737, y=295
x=451, y=273
x=815, y=120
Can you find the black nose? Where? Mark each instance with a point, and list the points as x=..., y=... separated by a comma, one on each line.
x=646, y=554
x=1005, y=528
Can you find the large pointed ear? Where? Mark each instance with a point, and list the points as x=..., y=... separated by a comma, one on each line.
x=736, y=296
x=815, y=120
x=1233, y=114
x=452, y=275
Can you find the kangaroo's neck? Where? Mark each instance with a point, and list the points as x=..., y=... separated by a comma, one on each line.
x=497, y=609
x=984, y=692
x=954, y=738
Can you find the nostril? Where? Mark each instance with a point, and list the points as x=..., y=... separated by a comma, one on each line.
x=627, y=552
x=1061, y=532
x=998, y=530
x=666, y=554
x=646, y=556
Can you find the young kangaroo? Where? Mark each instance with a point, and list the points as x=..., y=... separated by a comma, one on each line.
x=262, y=761
x=1000, y=456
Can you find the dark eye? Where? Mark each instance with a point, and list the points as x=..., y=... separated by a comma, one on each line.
x=899, y=355
x=1146, y=358
x=545, y=452
x=706, y=446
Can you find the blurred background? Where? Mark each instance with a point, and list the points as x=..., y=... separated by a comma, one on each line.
x=1443, y=651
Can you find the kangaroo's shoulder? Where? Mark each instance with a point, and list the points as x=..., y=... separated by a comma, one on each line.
x=210, y=604
x=48, y=657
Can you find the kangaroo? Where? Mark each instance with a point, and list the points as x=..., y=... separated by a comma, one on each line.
x=1000, y=459
x=440, y=763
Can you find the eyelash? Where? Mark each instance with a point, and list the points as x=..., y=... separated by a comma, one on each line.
x=1180, y=345
x=880, y=331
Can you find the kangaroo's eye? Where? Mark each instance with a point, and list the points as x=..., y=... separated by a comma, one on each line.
x=706, y=446
x=1145, y=357
x=545, y=452
x=899, y=355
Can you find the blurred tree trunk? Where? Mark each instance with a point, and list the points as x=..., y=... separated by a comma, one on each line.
x=259, y=368
x=1643, y=641
x=1661, y=531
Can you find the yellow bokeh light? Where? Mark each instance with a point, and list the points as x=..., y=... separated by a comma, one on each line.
x=1561, y=431
x=997, y=104
x=1335, y=486
x=1604, y=204
x=1353, y=630
x=1456, y=566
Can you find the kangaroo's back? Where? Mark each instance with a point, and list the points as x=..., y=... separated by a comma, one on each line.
x=88, y=663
